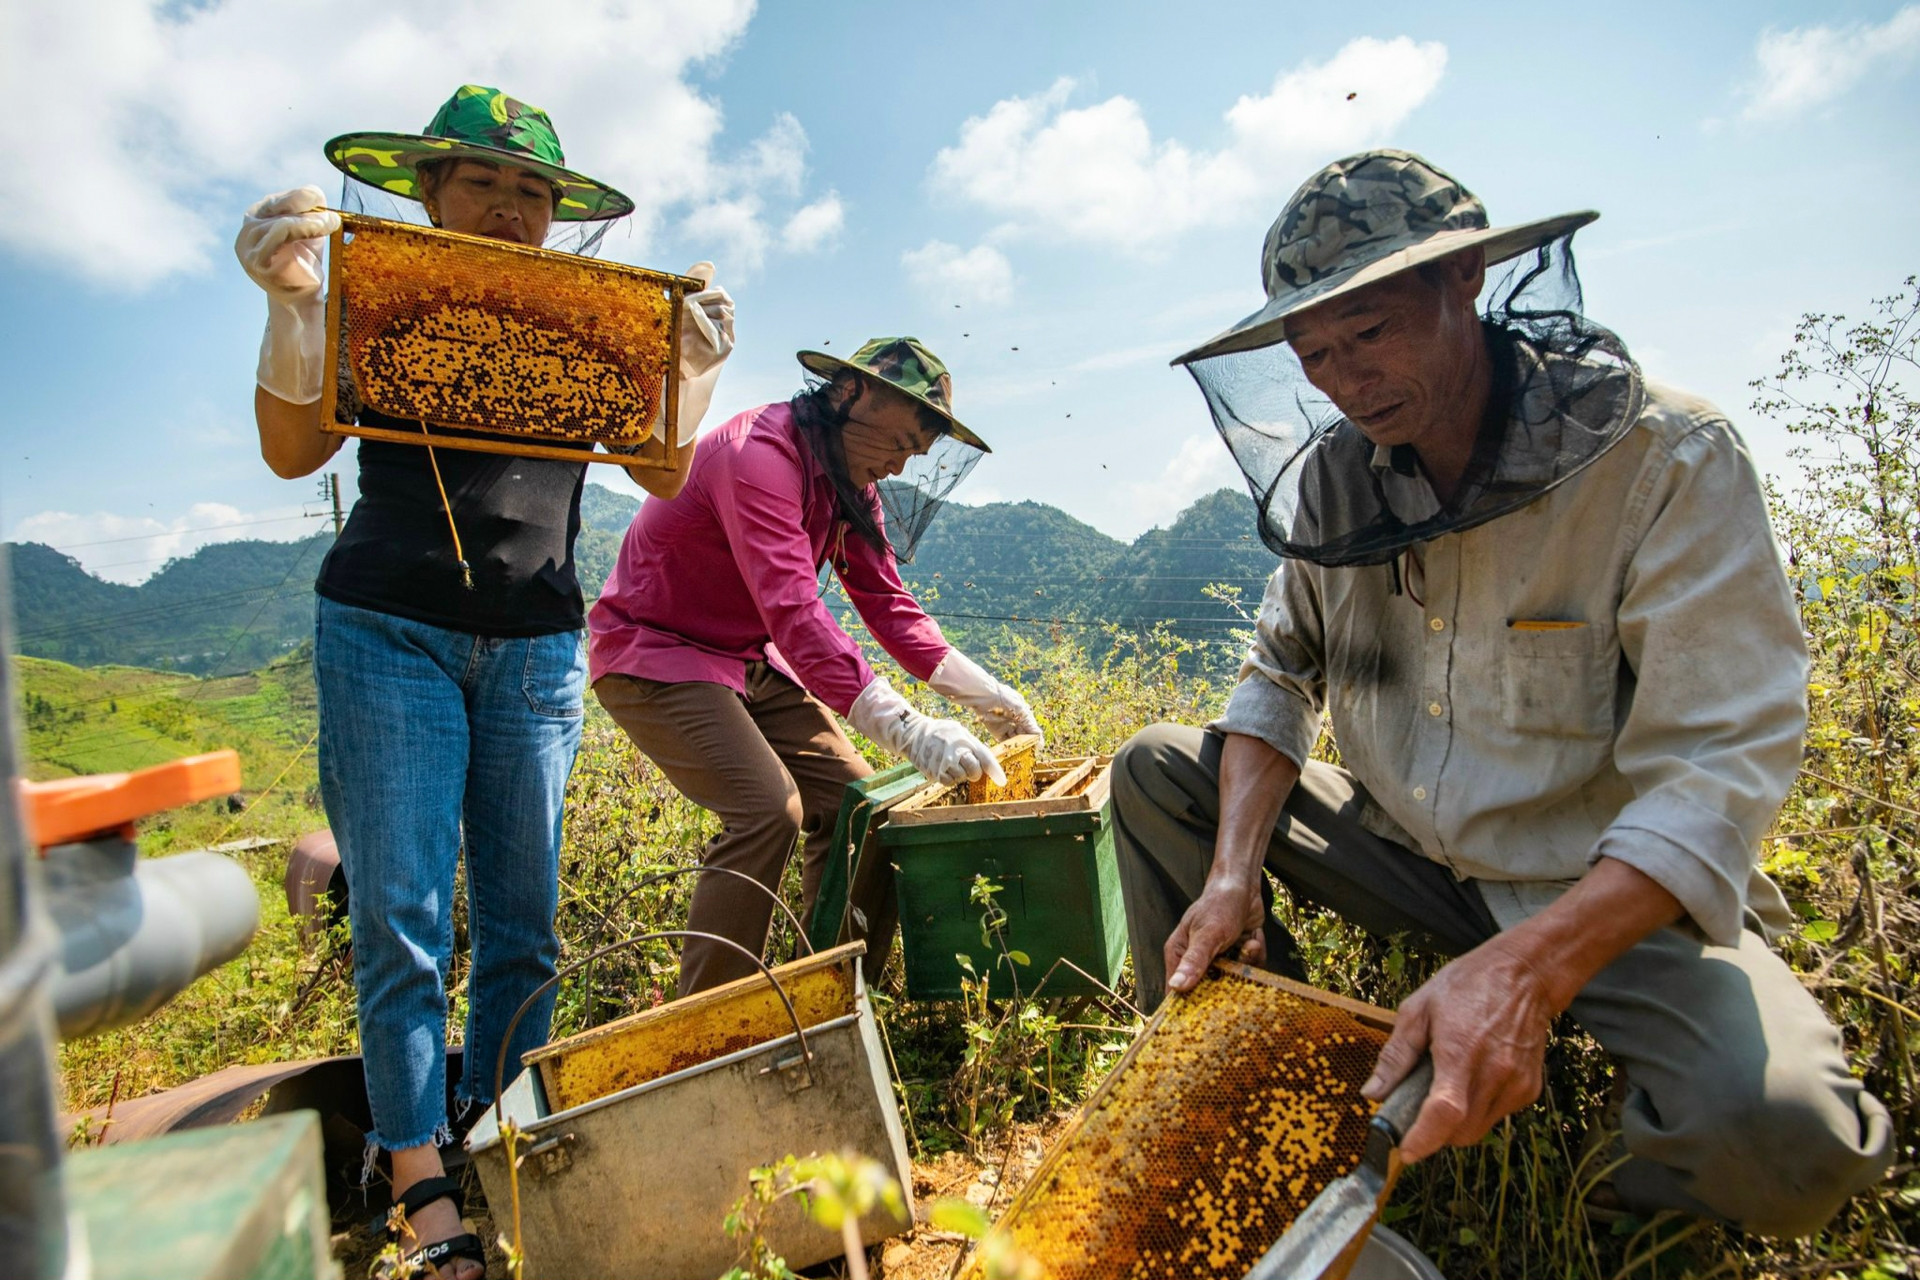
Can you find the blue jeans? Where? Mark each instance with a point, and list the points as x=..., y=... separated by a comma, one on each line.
x=426, y=736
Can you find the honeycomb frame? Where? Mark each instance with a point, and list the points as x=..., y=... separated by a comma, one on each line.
x=489, y=351
x=1235, y=1106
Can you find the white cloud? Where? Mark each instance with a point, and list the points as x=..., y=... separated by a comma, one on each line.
x=947, y=273
x=131, y=549
x=814, y=226
x=1097, y=173
x=173, y=117
x=1805, y=66
x=1199, y=466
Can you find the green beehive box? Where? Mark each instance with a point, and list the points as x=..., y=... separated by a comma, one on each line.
x=1053, y=858
x=232, y=1202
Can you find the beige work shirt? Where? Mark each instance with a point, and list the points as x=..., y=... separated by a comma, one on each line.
x=1615, y=670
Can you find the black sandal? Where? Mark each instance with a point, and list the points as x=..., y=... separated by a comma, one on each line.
x=464, y=1247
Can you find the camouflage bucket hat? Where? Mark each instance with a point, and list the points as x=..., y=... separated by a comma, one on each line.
x=480, y=124
x=1361, y=220
x=905, y=365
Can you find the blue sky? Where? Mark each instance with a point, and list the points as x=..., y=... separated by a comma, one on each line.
x=1089, y=181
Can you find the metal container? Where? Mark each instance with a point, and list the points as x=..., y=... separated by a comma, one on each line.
x=1388, y=1256
x=637, y=1182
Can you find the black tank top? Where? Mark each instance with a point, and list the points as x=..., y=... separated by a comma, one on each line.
x=518, y=518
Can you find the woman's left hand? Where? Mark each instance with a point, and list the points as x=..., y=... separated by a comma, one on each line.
x=999, y=706
x=706, y=324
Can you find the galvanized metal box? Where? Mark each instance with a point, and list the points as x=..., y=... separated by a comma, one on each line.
x=632, y=1168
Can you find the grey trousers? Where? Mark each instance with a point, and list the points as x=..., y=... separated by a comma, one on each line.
x=1739, y=1105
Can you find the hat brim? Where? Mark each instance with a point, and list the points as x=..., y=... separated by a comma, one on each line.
x=827, y=366
x=1267, y=326
x=390, y=161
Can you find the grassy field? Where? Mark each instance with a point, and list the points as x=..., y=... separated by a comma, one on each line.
x=969, y=1074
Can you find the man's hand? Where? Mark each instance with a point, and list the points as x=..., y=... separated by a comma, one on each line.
x=1223, y=914
x=1485, y=1019
x=1254, y=782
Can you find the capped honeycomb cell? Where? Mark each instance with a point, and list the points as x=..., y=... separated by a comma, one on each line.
x=1236, y=1105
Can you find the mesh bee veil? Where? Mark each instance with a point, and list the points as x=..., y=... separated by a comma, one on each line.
x=895, y=512
x=1564, y=388
x=582, y=238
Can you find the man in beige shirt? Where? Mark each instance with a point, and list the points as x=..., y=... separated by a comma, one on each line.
x=1542, y=604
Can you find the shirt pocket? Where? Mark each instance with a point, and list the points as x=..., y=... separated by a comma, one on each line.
x=1557, y=682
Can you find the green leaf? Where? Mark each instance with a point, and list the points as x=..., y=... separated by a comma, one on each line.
x=1019, y=957
x=1468, y=1235
x=1820, y=930
x=960, y=1217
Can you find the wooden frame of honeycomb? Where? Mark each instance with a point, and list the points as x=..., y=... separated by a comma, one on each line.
x=543, y=354
x=1229, y=1113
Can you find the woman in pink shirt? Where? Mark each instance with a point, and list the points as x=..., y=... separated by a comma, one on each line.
x=712, y=648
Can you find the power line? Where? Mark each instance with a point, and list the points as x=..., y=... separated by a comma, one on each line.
x=1089, y=622
x=170, y=533
x=114, y=620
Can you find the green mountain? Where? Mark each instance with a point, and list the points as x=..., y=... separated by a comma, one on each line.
x=225, y=609
x=237, y=606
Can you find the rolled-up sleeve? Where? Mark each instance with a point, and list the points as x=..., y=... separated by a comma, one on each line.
x=1708, y=625
x=762, y=514
x=1282, y=688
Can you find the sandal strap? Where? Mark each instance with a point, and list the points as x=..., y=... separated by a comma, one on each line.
x=465, y=1246
x=427, y=1190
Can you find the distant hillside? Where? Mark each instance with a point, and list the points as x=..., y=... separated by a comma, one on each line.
x=237, y=606
x=228, y=608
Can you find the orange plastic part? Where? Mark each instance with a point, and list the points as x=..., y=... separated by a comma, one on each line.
x=70, y=809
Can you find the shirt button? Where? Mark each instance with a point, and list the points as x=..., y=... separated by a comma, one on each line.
x=1434, y=708
x=1437, y=624
x=1419, y=793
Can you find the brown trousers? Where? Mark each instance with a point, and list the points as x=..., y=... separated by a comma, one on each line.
x=772, y=766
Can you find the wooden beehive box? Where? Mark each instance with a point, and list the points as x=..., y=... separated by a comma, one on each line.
x=1046, y=841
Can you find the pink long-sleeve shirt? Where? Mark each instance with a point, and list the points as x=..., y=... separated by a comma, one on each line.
x=727, y=573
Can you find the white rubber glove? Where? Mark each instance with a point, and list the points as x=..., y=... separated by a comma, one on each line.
x=960, y=679
x=706, y=339
x=280, y=246
x=943, y=750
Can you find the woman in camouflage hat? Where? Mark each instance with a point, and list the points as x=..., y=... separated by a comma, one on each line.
x=713, y=650
x=449, y=685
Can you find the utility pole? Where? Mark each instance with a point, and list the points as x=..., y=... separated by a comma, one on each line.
x=333, y=486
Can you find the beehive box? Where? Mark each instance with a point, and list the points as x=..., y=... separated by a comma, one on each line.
x=1051, y=853
x=637, y=1181
x=499, y=347
x=1229, y=1113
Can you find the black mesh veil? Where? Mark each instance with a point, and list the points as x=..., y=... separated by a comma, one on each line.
x=1565, y=390
x=581, y=238
x=896, y=512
